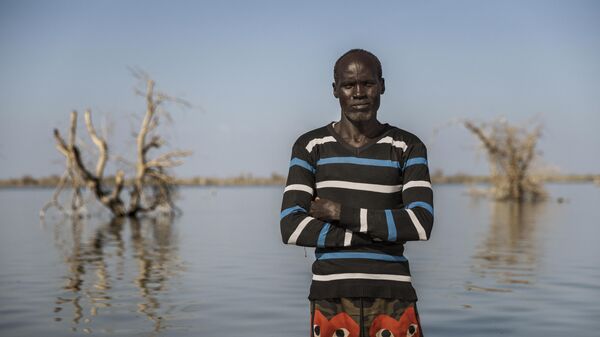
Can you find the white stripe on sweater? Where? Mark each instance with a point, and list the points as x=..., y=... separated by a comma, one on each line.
x=318, y=141
x=347, y=238
x=298, y=230
x=299, y=187
x=364, y=276
x=416, y=183
x=363, y=220
x=395, y=143
x=417, y=224
x=359, y=186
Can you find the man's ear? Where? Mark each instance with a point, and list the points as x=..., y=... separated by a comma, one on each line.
x=382, y=85
x=335, y=93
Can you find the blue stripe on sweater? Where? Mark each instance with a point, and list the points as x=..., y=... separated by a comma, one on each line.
x=293, y=209
x=391, y=225
x=415, y=161
x=359, y=255
x=421, y=204
x=323, y=235
x=358, y=161
x=302, y=163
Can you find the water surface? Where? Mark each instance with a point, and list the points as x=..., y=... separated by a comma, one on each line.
x=490, y=269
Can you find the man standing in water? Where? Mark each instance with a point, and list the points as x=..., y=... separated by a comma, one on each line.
x=357, y=190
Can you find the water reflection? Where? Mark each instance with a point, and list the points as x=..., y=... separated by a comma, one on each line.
x=508, y=254
x=104, y=263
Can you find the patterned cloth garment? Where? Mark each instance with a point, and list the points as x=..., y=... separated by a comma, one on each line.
x=386, y=199
x=362, y=317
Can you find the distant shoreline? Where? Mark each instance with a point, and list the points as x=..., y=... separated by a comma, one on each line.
x=276, y=179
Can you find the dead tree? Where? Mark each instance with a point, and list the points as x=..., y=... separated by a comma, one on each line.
x=151, y=187
x=68, y=178
x=510, y=150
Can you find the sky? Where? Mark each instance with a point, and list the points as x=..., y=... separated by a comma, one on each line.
x=259, y=74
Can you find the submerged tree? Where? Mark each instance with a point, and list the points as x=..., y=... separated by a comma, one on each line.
x=511, y=151
x=151, y=187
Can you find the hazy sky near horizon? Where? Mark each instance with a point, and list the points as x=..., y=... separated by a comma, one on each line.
x=259, y=74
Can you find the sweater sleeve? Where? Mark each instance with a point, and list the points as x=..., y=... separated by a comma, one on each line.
x=412, y=222
x=297, y=227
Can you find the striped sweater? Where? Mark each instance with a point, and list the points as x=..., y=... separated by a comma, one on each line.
x=386, y=199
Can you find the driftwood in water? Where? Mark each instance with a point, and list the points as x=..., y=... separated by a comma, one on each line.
x=510, y=150
x=150, y=189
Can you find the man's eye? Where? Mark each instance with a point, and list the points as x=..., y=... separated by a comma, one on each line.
x=348, y=86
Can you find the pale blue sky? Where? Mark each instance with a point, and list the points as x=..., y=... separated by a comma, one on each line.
x=261, y=72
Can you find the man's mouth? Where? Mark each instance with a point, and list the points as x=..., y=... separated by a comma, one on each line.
x=360, y=106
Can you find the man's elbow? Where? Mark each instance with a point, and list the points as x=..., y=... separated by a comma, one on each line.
x=284, y=232
x=424, y=224
x=428, y=226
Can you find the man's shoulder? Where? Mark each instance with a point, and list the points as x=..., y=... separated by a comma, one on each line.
x=313, y=135
x=399, y=134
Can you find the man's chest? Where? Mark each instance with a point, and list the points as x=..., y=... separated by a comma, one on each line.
x=371, y=177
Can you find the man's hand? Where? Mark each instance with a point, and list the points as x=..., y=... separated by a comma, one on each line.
x=325, y=209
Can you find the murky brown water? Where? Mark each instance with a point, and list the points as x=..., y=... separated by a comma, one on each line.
x=490, y=268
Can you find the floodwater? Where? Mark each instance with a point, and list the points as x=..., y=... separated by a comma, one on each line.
x=490, y=269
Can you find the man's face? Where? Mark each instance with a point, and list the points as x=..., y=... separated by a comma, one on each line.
x=358, y=88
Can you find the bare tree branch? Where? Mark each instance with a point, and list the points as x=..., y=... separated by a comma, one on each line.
x=510, y=150
x=168, y=159
x=100, y=144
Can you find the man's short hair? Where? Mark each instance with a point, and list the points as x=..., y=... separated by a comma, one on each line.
x=357, y=51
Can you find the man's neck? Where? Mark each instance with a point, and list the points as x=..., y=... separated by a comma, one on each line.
x=359, y=133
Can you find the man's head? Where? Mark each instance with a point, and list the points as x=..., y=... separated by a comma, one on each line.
x=358, y=85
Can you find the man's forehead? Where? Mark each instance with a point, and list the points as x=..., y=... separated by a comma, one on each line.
x=363, y=65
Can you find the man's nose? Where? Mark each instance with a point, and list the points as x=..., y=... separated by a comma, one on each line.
x=359, y=91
